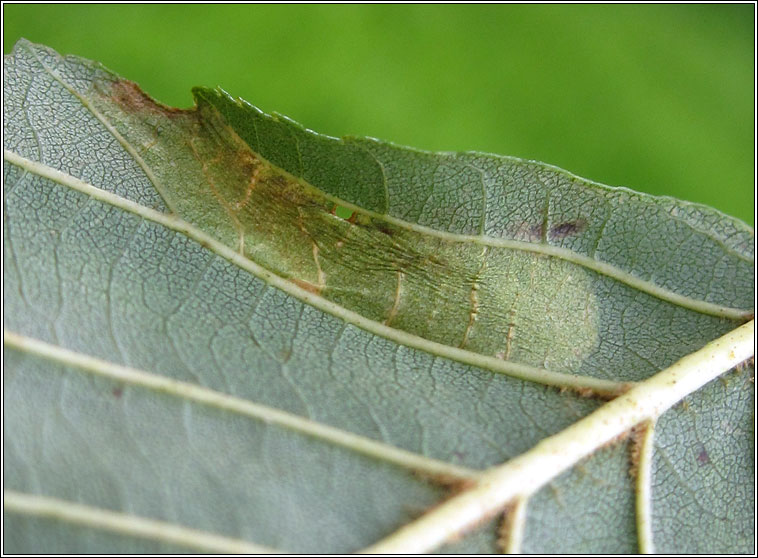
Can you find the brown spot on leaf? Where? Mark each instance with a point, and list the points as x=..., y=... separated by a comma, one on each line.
x=587, y=392
x=505, y=527
x=635, y=448
x=307, y=285
x=746, y=364
x=534, y=232
x=384, y=229
x=566, y=229
x=117, y=392
x=702, y=457
x=454, y=484
x=132, y=99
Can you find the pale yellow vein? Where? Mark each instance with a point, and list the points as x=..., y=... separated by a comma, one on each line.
x=206, y=396
x=126, y=524
x=516, y=370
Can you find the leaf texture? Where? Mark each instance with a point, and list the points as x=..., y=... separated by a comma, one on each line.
x=457, y=308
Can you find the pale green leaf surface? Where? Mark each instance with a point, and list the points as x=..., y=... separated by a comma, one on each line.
x=604, y=522
x=704, y=451
x=91, y=277
x=38, y=536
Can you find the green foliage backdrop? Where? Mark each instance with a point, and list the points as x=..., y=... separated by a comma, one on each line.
x=657, y=98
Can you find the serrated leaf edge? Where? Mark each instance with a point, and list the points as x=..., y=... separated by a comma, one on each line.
x=598, y=386
x=587, y=262
x=108, y=126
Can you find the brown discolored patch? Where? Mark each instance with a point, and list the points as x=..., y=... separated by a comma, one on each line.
x=128, y=95
x=277, y=181
x=117, y=392
x=703, y=458
x=281, y=192
x=248, y=163
x=587, y=392
x=307, y=285
x=534, y=232
x=384, y=229
x=635, y=450
x=617, y=439
x=455, y=485
x=506, y=526
x=566, y=229
x=746, y=364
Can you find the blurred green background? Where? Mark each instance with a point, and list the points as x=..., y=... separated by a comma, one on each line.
x=658, y=98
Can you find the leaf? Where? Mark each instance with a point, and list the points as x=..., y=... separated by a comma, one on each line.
x=224, y=330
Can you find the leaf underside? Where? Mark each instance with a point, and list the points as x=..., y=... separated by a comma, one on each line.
x=436, y=303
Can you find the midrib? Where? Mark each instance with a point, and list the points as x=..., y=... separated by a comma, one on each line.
x=172, y=222
x=586, y=262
